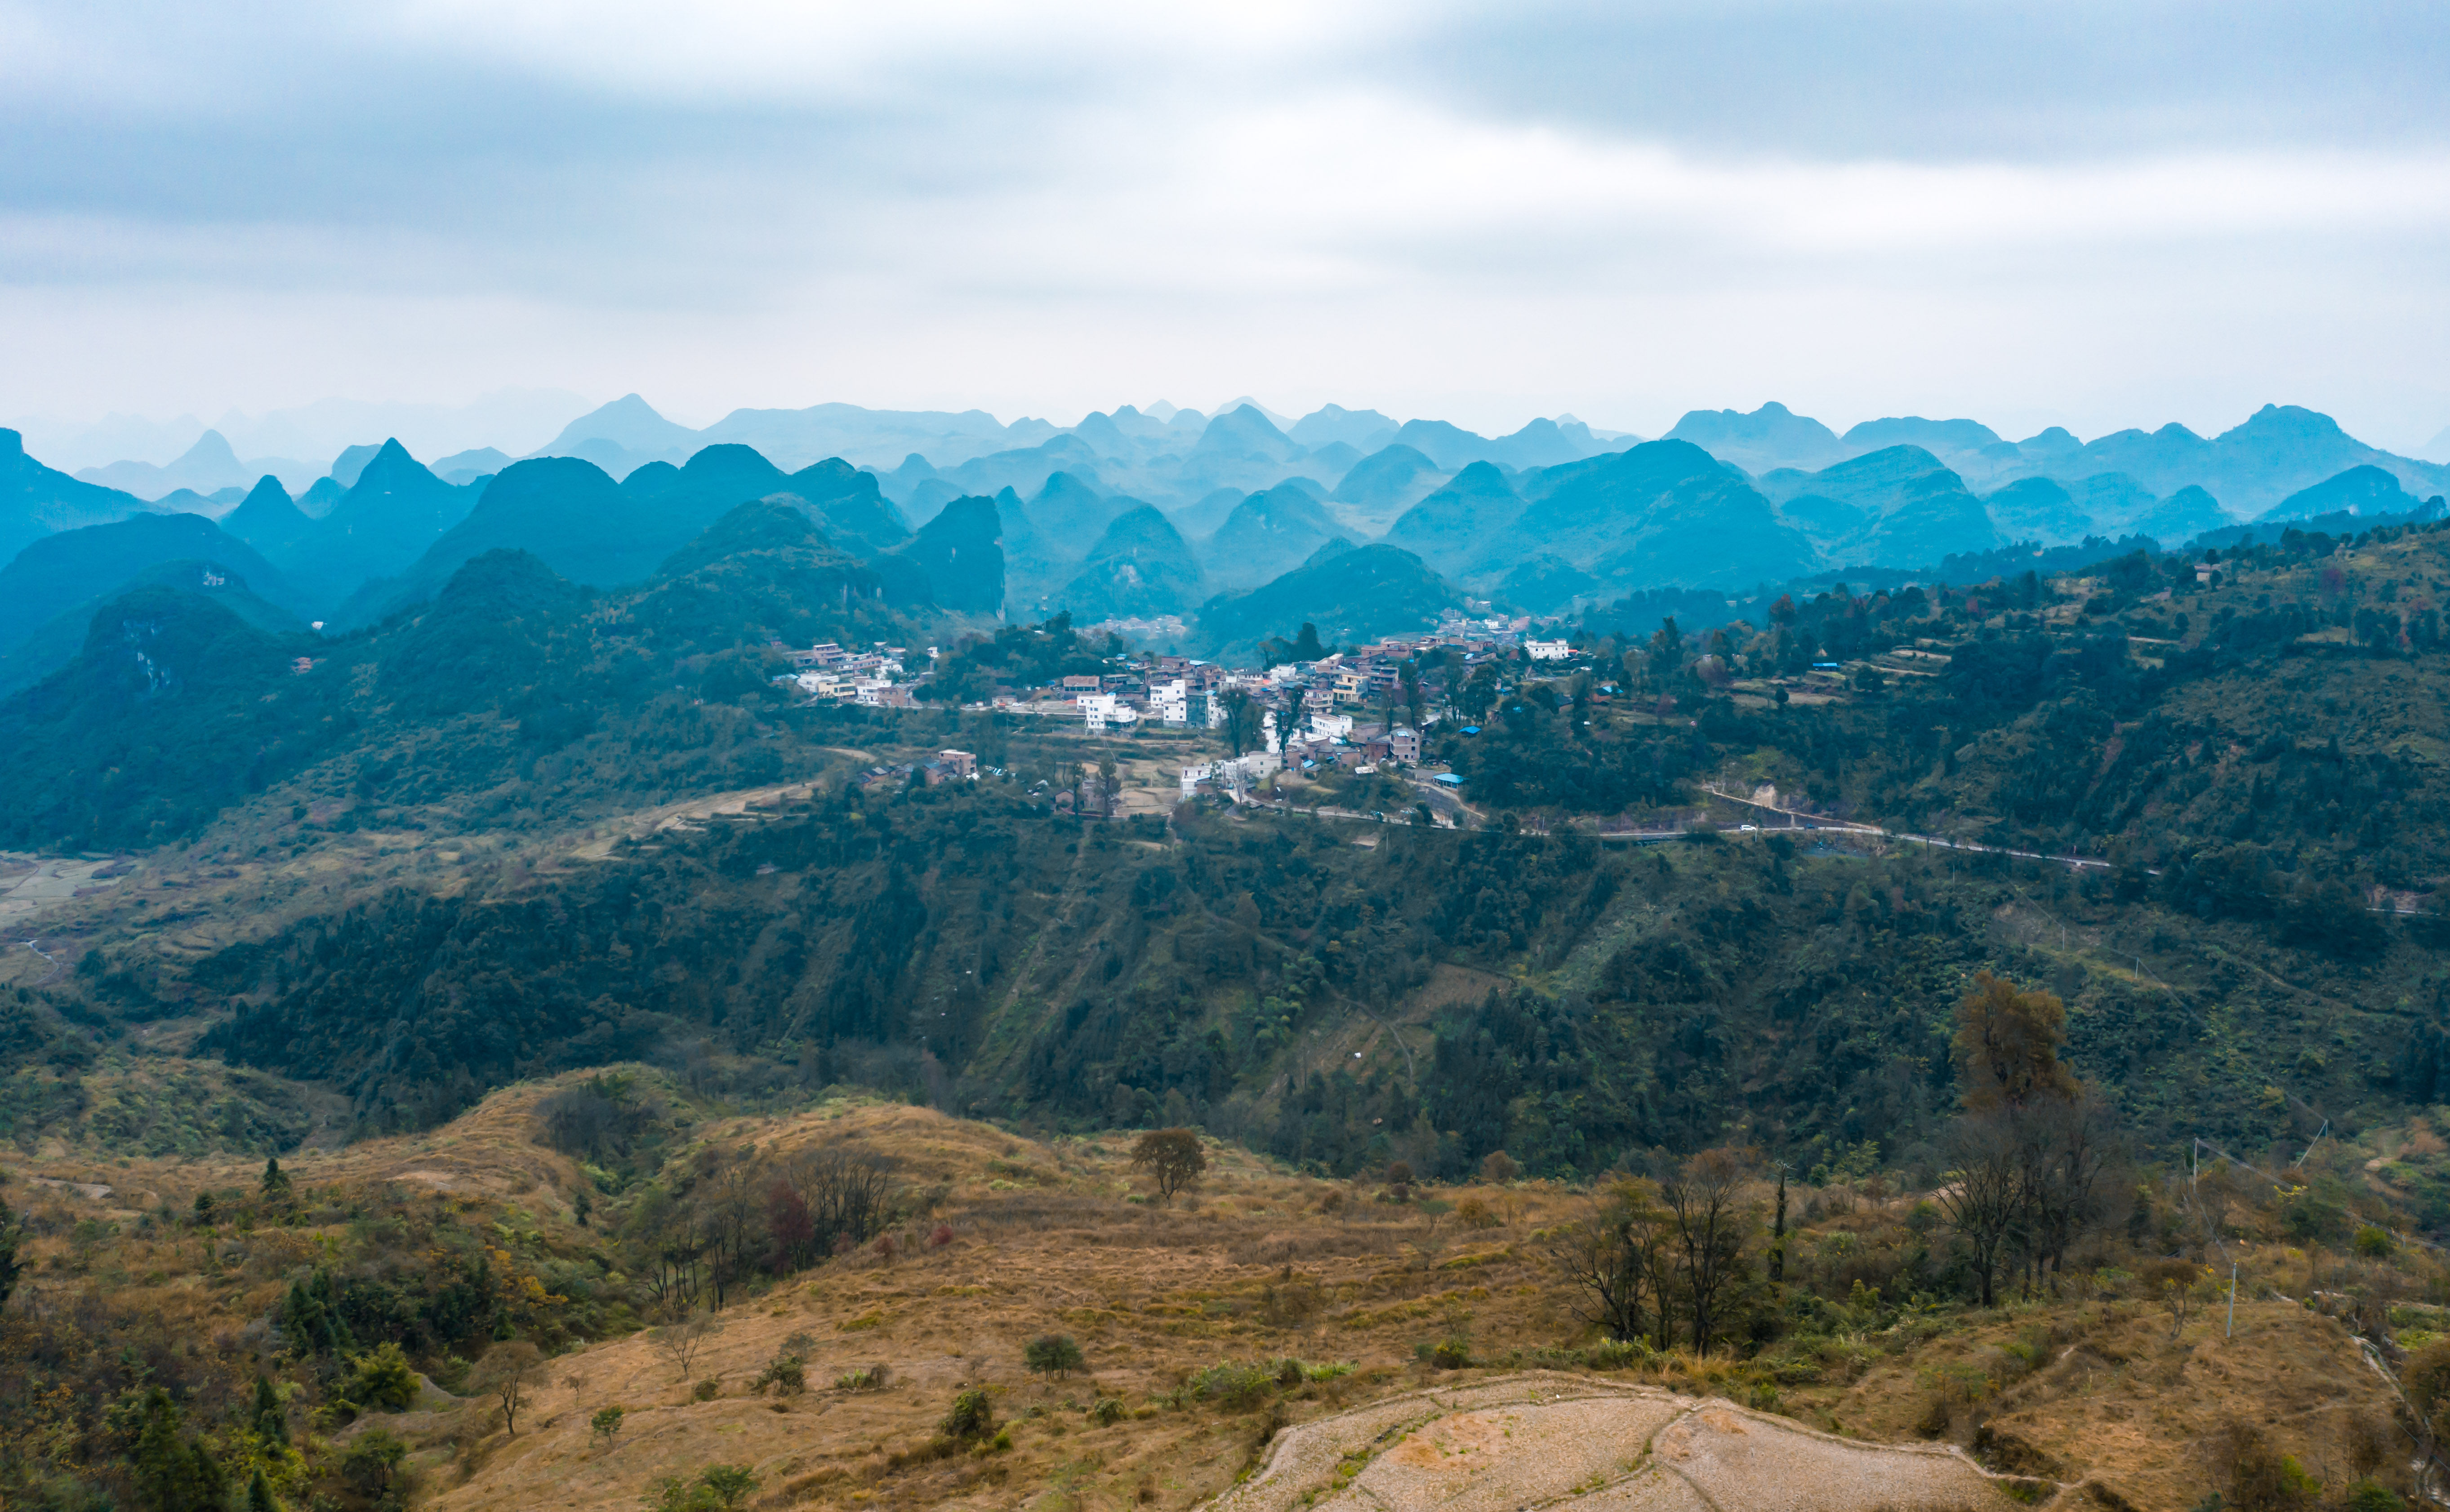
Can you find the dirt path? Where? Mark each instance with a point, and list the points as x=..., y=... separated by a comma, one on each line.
x=694, y=811
x=1556, y=1440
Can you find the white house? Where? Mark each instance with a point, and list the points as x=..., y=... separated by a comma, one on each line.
x=1171, y=702
x=1102, y=709
x=1547, y=650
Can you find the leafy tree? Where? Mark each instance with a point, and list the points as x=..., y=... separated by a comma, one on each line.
x=1173, y=1159
x=2008, y=1043
x=174, y=1472
x=605, y=1423
x=1054, y=1354
x=1237, y=704
x=371, y=1469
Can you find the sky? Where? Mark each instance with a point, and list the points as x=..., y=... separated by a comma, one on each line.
x=2089, y=215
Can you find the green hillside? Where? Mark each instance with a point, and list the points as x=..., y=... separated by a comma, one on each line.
x=176, y=710
x=1267, y=535
x=2225, y=975
x=77, y=567
x=1140, y=566
x=36, y=500
x=1351, y=596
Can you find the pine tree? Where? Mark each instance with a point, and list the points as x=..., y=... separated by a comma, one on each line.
x=271, y=1424
x=276, y=1181
x=175, y=1473
x=258, y=1494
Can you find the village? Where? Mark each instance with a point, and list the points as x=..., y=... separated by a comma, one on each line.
x=1361, y=709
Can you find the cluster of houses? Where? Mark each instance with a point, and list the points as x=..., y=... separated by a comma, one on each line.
x=1337, y=694
x=871, y=677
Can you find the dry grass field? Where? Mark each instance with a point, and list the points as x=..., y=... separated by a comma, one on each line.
x=2098, y=1400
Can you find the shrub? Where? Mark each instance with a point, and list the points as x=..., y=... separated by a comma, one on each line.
x=383, y=1380
x=865, y=1378
x=2260, y=1479
x=1108, y=1411
x=1473, y=1213
x=2374, y=1243
x=1499, y=1166
x=717, y=1488
x=785, y=1374
x=942, y=1236
x=2372, y=1496
x=972, y=1417
x=1054, y=1354
x=2426, y=1375
x=1290, y=1299
x=1447, y=1354
x=706, y=1390
x=1230, y=1384
x=606, y=1422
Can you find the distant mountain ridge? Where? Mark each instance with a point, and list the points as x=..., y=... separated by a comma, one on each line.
x=1549, y=510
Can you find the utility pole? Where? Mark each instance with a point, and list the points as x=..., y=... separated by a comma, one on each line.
x=2232, y=1300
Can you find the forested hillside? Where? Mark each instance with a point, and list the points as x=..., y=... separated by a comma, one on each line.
x=2250, y=768
x=514, y=689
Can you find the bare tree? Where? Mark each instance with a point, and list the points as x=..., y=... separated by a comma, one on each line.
x=671, y=1253
x=1985, y=1189
x=726, y=1225
x=508, y=1374
x=1704, y=1201
x=681, y=1338
x=1617, y=1256
x=2070, y=1147
x=850, y=1194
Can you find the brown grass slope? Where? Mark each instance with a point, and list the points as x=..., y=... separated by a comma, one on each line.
x=1255, y=1266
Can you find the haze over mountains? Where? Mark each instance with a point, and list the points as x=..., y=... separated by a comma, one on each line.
x=1157, y=512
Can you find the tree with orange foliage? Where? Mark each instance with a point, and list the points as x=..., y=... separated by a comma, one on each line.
x=2007, y=1046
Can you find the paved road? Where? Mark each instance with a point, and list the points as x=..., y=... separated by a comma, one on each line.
x=1798, y=820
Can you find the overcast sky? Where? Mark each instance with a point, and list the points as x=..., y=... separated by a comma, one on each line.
x=2095, y=215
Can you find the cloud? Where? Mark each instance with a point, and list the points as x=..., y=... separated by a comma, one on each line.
x=1619, y=211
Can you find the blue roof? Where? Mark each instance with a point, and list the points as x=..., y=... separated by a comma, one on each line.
x=1472, y=729
x=1447, y=778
